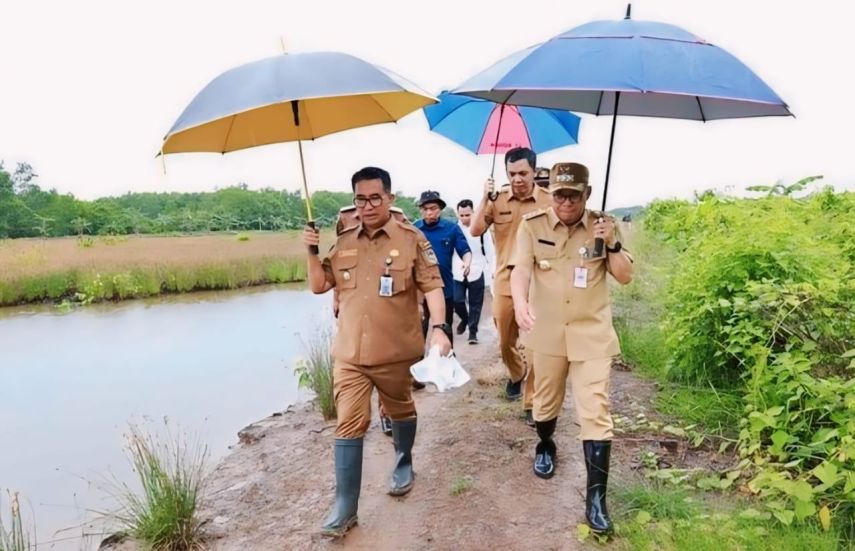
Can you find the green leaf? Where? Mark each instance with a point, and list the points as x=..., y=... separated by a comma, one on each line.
x=849, y=354
x=827, y=473
x=642, y=518
x=583, y=532
x=786, y=517
x=779, y=439
x=850, y=482
x=804, y=509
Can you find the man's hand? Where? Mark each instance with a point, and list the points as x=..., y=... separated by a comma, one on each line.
x=311, y=236
x=489, y=186
x=440, y=339
x=466, y=269
x=524, y=316
x=604, y=228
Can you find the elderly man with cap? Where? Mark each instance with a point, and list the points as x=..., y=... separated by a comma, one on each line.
x=446, y=238
x=379, y=266
x=562, y=305
x=505, y=213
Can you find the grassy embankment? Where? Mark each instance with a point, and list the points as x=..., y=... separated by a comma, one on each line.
x=741, y=311
x=91, y=269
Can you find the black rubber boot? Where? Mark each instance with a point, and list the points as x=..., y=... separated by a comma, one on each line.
x=403, y=436
x=597, y=454
x=545, y=453
x=348, y=480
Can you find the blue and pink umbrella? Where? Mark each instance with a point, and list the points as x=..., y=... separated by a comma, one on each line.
x=485, y=127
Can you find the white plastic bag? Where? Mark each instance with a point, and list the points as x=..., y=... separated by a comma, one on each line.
x=444, y=372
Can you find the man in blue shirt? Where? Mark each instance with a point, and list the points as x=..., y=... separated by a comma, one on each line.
x=446, y=238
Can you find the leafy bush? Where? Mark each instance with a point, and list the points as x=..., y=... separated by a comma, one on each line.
x=759, y=300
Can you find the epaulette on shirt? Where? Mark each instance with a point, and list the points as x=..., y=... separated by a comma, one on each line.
x=505, y=188
x=347, y=229
x=408, y=226
x=534, y=214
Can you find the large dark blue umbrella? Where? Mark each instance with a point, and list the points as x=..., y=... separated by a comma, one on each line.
x=628, y=67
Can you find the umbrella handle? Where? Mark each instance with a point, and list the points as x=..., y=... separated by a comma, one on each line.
x=313, y=249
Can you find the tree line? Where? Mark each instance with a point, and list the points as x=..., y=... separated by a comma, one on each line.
x=27, y=210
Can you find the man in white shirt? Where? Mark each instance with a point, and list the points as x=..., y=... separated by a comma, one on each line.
x=472, y=284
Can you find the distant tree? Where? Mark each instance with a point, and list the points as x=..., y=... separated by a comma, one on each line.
x=80, y=225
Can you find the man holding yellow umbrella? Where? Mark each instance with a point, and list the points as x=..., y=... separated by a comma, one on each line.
x=302, y=97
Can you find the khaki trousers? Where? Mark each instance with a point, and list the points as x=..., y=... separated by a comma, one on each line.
x=509, y=333
x=589, y=383
x=352, y=390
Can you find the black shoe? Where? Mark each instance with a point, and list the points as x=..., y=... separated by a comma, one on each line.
x=461, y=327
x=348, y=480
x=417, y=385
x=529, y=418
x=386, y=425
x=513, y=390
x=473, y=338
x=597, y=454
x=403, y=436
x=545, y=453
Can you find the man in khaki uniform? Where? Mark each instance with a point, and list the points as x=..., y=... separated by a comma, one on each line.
x=378, y=266
x=562, y=305
x=505, y=214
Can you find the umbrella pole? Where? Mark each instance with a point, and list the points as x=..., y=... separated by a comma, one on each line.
x=599, y=244
x=494, y=194
x=310, y=221
x=611, y=147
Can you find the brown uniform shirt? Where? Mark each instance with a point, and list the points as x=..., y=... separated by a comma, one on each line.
x=372, y=329
x=505, y=214
x=571, y=321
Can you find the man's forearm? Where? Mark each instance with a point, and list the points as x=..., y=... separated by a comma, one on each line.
x=520, y=281
x=317, y=277
x=620, y=267
x=436, y=306
x=479, y=224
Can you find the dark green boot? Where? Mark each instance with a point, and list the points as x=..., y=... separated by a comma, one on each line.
x=348, y=480
x=597, y=454
x=403, y=436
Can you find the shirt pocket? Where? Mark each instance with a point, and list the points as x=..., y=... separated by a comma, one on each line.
x=401, y=271
x=345, y=270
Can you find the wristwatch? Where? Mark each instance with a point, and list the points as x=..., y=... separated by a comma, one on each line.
x=444, y=326
x=616, y=248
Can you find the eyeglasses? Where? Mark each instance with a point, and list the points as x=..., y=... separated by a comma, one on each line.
x=573, y=197
x=374, y=200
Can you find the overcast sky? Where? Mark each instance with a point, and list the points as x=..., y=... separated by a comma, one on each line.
x=88, y=89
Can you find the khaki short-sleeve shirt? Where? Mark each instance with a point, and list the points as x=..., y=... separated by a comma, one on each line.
x=569, y=320
x=505, y=215
x=374, y=329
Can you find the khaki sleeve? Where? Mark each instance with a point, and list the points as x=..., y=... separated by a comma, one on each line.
x=523, y=252
x=489, y=212
x=329, y=275
x=426, y=267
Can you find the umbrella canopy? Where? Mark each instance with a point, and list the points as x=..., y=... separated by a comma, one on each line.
x=484, y=127
x=628, y=67
x=254, y=104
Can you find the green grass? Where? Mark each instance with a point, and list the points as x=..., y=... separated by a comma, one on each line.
x=651, y=517
x=315, y=371
x=13, y=535
x=715, y=411
x=87, y=287
x=461, y=484
x=170, y=471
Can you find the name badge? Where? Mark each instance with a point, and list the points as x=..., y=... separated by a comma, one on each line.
x=580, y=277
x=385, y=286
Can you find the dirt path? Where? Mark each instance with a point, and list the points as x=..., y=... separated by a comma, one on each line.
x=474, y=485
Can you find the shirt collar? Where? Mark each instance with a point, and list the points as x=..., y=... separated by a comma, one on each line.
x=385, y=228
x=532, y=197
x=554, y=220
